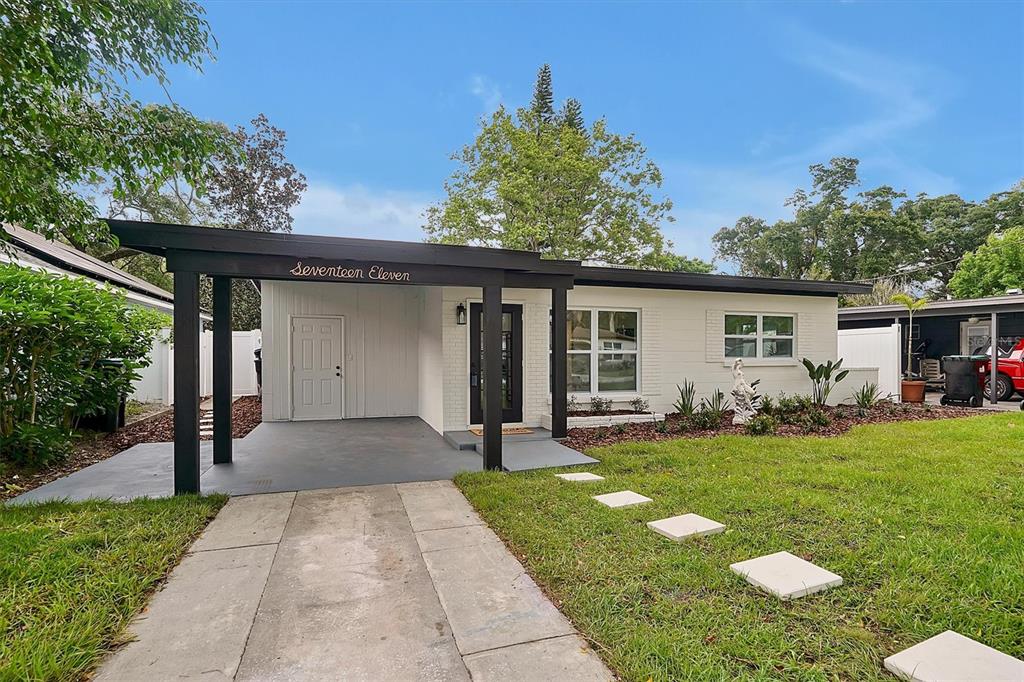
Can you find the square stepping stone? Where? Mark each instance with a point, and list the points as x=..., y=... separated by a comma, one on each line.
x=679, y=528
x=624, y=498
x=786, y=576
x=580, y=476
x=951, y=656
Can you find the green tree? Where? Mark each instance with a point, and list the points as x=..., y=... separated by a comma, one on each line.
x=255, y=190
x=543, y=105
x=993, y=268
x=68, y=118
x=678, y=263
x=572, y=115
x=567, y=193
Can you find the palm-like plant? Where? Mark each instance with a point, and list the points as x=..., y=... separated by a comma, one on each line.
x=912, y=305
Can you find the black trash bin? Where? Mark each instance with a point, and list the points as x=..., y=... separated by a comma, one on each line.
x=962, y=383
x=110, y=417
x=258, y=354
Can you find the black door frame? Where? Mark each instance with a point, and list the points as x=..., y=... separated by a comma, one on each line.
x=514, y=414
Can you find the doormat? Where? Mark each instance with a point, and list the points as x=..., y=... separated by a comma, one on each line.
x=506, y=431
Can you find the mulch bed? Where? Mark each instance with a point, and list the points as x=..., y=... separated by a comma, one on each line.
x=606, y=413
x=842, y=417
x=246, y=414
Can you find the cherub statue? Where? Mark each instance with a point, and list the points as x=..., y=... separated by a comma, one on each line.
x=742, y=395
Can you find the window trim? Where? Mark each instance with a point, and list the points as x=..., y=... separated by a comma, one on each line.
x=759, y=338
x=595, y=352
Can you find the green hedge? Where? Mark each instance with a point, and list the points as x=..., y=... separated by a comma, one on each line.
x=54, y=331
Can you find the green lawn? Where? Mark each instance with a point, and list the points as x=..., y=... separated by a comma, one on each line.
x=924, y=521
x=72, y=576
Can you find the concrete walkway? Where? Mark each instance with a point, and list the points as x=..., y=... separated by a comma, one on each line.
x=388, y=582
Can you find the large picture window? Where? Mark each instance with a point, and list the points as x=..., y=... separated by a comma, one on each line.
x=759, y=335
x=603, y=348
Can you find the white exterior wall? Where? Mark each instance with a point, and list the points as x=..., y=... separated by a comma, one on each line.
x=681, y=337
x=381, y=363
x=431, y=360
x=406, y=355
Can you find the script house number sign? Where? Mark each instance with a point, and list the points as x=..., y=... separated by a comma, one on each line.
x=374, y=272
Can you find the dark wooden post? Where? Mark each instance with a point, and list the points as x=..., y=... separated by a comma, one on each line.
x=559, y=359
x=221, y=370
x=993, y=392
x=186, y=382
x=492, y=377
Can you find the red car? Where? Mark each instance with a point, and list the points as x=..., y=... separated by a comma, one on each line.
x=1010, y=374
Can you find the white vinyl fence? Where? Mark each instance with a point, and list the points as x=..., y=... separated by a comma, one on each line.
x=157, y=381
x=874, y=347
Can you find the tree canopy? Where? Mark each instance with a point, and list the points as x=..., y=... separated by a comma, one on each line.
x=545, y=181
x=993, y=268
x=878, y=233
x=255, y=190
x=68, y=119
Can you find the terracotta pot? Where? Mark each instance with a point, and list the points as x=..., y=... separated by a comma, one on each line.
x=912, y=391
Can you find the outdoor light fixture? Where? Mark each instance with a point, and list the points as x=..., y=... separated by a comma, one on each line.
x=460, y=314
x=973, y=319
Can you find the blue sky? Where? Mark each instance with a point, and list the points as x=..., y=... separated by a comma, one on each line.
x=732, y=100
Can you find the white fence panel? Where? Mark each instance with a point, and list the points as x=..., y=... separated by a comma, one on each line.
x=243, y=369
x=156, y=383
x=874, y=347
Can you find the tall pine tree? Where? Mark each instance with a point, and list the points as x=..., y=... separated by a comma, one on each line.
x=543, y=98
x=572, y=115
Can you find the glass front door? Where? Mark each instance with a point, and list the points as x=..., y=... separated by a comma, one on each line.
x=511, y=363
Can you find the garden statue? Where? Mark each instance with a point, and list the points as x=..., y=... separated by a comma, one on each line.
x=742, y=395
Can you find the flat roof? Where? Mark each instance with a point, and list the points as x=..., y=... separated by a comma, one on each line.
x=163, y=238
x=958, y=306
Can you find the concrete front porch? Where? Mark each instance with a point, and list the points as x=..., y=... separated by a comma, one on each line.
x=292, y=456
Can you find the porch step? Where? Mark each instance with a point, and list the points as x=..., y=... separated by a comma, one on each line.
x=467, y=440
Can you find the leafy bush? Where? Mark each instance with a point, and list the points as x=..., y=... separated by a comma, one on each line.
x=54, y=333
x=717, y=405
x=824, y=378
x=639, y=405
x=686, y=405
x=767, y=405
x=621, y=429
x=761, y=425
x=661, y=426
x=599, y=405
x=571, y=404
x=702, y=420
x=814, y=419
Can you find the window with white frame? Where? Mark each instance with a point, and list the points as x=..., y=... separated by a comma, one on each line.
x=759, y=335
x=603, y=348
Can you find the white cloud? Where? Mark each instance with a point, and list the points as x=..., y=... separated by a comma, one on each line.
x=359, y=211
x=487, y=91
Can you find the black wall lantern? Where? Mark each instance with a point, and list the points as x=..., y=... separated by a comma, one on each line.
x=460, y=314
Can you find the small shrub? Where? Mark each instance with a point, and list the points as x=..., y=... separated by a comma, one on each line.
x=599, y=405
x=761, y=425
x=705, y=420
x=639, y=405
x=686, y=405
x=571, y=404
x=661, y=427
x=717, y=405
x=867, y=396
x=767, y=405
x=815, y=419
x=620, y=429
x=824, y=378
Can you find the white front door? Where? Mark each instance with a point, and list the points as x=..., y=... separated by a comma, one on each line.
x=317, y=372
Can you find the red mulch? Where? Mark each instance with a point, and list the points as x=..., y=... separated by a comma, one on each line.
x=246, y=413
x=842, y=418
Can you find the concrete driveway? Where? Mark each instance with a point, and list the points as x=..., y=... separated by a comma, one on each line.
x=387, y=582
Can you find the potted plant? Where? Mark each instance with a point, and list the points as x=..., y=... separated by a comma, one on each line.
x=912, y=386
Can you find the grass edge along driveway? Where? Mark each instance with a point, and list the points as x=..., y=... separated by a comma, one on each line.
x=73, y=575
x=924, y=521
